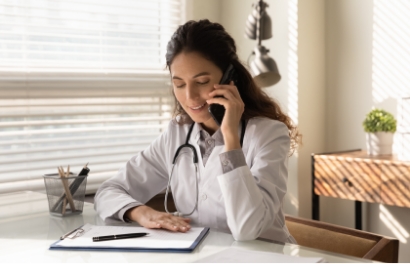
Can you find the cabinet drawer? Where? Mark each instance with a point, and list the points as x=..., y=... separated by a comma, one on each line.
x=357, y=180
x=395, y=185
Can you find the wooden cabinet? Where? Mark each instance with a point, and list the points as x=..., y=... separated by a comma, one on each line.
x=395, y=184
x=356, y=176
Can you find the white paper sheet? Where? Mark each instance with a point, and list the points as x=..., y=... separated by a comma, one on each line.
x=234, y=255
x=157, y=238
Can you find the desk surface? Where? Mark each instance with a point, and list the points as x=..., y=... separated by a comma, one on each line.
x=27, y=230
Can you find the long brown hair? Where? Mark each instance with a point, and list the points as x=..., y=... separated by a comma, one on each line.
x=215, y=44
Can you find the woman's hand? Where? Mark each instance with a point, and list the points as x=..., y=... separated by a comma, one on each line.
x=234, y=108
x=150, y=218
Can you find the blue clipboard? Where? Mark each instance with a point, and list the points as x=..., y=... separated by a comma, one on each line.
x=189, y=249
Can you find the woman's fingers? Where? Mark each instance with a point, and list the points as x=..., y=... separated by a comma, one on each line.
x=172, y=223
x=151, y=224
x=223, y=93
x=231, y=87
x=227, y=100
x=150, y=218
x=173, y=226
x=226, y=95
x=222, y=89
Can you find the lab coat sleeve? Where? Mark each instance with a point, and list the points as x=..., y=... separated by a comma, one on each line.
x=232, y=159
x=253, y=194
x=142, y=177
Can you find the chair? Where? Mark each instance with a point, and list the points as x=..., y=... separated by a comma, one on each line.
x=343, y=240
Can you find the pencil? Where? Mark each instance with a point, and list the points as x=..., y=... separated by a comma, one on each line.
x=64, y=206
x=66, y=189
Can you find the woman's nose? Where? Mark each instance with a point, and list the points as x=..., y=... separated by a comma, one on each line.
x=191, y=92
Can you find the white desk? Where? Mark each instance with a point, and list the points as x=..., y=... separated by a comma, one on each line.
x=27, y=230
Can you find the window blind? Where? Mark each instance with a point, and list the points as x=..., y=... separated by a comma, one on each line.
x=81, y=81
x=87, y=35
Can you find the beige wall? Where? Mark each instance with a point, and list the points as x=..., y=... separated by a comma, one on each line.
x=348, y=82
x=201, y=9
x=312, y=94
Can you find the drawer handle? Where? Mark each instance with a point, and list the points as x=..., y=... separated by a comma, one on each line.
x=349, y=183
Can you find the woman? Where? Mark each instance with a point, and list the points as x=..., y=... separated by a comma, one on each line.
x=240, y=189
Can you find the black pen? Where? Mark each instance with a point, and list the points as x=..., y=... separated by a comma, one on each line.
x=85, y=170
x=121, y=236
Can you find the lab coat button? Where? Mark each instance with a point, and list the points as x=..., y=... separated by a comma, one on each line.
x=204, y=196
x=210, y=141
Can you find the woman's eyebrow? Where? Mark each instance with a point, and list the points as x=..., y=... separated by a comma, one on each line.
x=201, y=74
x=197, y=75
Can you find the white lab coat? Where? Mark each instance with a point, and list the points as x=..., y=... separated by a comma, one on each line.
x=246, y=201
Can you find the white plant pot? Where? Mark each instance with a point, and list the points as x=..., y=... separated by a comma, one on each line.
x=379, y=143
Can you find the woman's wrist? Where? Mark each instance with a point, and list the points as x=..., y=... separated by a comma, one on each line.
x=231, y=141
x=133, y=213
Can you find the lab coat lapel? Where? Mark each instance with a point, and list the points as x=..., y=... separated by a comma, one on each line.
x=212, y=168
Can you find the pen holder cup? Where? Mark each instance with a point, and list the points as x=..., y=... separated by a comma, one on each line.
x=65, y=193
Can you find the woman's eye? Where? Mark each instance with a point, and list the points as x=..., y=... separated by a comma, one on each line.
x=179, y=85
x=203, y=82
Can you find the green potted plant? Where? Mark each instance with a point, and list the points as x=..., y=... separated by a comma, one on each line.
x=380, y=126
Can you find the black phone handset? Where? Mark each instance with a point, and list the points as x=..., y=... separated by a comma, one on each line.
x=217, y=111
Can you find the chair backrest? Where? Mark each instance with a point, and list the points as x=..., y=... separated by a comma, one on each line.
x=343, y=240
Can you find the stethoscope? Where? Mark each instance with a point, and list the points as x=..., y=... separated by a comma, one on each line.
x=195, y=156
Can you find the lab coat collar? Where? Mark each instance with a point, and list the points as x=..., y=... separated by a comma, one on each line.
x=217, y=136
x=196, y=132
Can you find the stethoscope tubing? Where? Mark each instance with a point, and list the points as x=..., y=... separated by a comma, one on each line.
x=195, y=161
x=177, y=213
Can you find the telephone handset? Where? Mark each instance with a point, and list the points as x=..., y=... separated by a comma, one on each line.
x=217, y=111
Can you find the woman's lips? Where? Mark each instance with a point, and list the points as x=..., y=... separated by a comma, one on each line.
x=197, y=108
